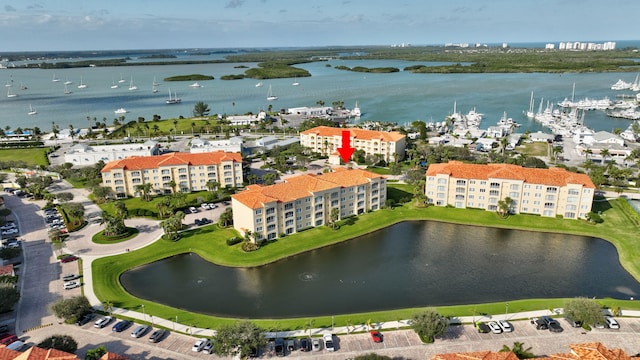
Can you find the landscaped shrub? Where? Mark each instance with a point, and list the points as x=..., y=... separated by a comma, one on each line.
x=149, y=213
x=234, y=240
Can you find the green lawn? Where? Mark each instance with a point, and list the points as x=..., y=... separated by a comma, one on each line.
x=209, y=242
x=31, y=156
x=534, y=149
x=137, y=204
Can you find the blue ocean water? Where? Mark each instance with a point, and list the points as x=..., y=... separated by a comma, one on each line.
x=400, y=97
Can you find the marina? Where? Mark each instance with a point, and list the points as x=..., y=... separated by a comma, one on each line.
x=400, y=97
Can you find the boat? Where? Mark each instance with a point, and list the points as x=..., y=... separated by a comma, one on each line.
x=621, y=85
x=66, y=89
x=295, y=82
x=155, y=83
x=10, y=94
x=355, y=112
x=55, y=79
x=173, y=100
x=9, y=82
x=23, y=86
x=132, y=86
x=32, y=111
x=635, y=86
x=82, y=85
x=530, y=114
x=121, y=111
x=113, y=84
x=154, y=89
x=259, y=84
x=195, y=85
x=270, y=95
x=122, y=80
x=68, y=82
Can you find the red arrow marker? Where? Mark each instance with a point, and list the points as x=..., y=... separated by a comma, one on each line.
x=346, y=150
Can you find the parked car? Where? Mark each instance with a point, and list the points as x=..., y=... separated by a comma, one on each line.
x=121, y=326
x=317, y=344
x=539, y=324
x=611, y=322
x=193, y=210
x=279, y=347
x=328, y=342
x=69, y=277
x=140, y=330
x=208, y=348
x=482, y=327
x=157, y=335
x=205, y=206
x=552, y=324
x=305, y=344
x=68, y=258
x=85, y=319
x=71, y=285
x=573, y=323
x=505, y=325
x=376, y=336
x=8, y=339
x=199, y=345
x=103, y=322
x=16, y=346
x=495, y=328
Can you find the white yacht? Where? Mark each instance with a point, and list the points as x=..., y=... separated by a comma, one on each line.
x=270, y=95
x=82, y=85
x=32, y=111
x=621, y=85
x=195, y=85
x=122, y=80
x=132, y=86
x=173, y=100
x=259, y=84
x=10, y=94
x=55, y=79
x=121, y=111
x=295, y=82
x=113, y=84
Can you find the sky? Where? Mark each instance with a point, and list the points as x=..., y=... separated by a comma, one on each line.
x=55, y=25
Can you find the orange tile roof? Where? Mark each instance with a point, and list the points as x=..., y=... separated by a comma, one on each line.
x=552, y=176
x=36, y=353
x=591, y=351
x=359, y=134
x=113, y=356
x=6, y=354
x=478, y=355
x=297, y=187
x=174, y=158
x=7, y=270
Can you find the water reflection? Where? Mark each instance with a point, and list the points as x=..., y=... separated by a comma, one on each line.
x=406, y=265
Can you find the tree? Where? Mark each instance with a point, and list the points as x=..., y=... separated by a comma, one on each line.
x=64, y=196
x=60, y=342
x=504, y=207
x=226, y=218
x=519, y=350
x=102, y=193
x=269, y=178
x=71, y=309
x=144, y=189
x=96, y=353
x=585, y=310
x=429, y=325
x=335, y=216
x=212, y=185
x=200, y=109
x=9, y=295
x=372, y=356
x=238, y=339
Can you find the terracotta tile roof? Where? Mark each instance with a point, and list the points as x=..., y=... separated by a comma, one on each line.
x=36, y=353
x=359, y=134
x=552, y=176
x=591, y=351
x=113, y=356
x=478, y=355
x=175, y=158
x=7, y=270
x=6, y=354
x=297, y=187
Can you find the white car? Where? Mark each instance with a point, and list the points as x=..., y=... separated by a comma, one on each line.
x=199, y=345
x=328, y=342
x=193, y=210
x=103, y=322
x=495, y=328
x=505, y=326
x=317, y=344
x=611, y=322
x=71, y=285
x=205, y=206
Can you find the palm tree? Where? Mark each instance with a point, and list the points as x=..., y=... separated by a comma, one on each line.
x=71, y=131
x=175, y=126
x=144, y=189
x=605, y=154
x=212, y=185
x=193, y=125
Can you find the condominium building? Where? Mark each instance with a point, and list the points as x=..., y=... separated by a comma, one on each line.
x=86, y=155
x=545, y=192
x=306, y=201
x=326, y=140
x=184, y=171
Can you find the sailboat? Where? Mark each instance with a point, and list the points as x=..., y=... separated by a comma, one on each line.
x=259, y=84
x=32, y=111
x=66, y=89
x=82, y=85
x=121, y=81
x=173, y=100
x=10, y=94
x=10, y=82
x=154, y=89
x=132, y=86
x=68, y=82
x=530, y=114
x=270, y=95
x=155, y=83
x=355, y=112
x=295, y=81
x=55, y=79
x=113, y=84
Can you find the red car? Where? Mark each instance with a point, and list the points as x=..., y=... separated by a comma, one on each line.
x=69, y=258
x=8, y=339
x=376, y=336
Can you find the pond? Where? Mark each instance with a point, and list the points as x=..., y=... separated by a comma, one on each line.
x=411, y=264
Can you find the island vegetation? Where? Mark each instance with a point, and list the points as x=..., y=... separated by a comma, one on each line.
x=232, y=77
x=158, y=56
x=368, y=70
x=275, y=70
x=190, y=77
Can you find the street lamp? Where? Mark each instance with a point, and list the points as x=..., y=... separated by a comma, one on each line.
x=144, y=315
x=174, y=324
x=506, y=311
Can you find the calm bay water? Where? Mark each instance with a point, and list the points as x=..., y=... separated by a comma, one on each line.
x=398, y=97
x=406, y=265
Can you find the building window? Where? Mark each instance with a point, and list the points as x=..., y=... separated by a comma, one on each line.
x=514, y=195
x=551, y=189
x=574, y=192
x=495, y=185
x=461, y=182
x=515, y=187
x=550, y=197
x=549, y=205
x=442, y=181
x=494, y=193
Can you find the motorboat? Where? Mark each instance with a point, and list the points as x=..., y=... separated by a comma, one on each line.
x=195, y=85
x=259, y=84
x=121, y=111
x=621, y=85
